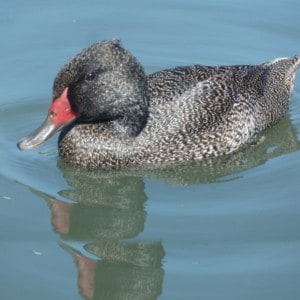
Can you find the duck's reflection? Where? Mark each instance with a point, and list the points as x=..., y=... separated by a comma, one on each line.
x=123, y=271
x=81, y=221
x=108, y=211
x=106, y=207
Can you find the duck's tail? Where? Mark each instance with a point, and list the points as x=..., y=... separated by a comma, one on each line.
x=295, y=62
x=289, y=64
x=278, y=83
x=283, y=70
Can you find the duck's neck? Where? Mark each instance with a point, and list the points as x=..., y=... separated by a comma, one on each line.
x=134, y=118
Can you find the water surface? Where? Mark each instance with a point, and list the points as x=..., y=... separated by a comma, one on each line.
x=226, y=229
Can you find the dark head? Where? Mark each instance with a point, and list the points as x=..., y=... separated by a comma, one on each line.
x=103, y=83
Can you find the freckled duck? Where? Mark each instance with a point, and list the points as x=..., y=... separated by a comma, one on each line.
x=112, y=115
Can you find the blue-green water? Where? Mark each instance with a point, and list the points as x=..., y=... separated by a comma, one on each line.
x=230, y=230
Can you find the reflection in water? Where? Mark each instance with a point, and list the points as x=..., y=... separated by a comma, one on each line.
x=124, y=270
x=128, y=271
x=108, y=211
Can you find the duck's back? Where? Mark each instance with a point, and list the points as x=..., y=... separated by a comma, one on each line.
x=200, y=111
x=164, y=85
x=195, y=98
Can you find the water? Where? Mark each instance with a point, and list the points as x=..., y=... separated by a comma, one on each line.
x=229, y=230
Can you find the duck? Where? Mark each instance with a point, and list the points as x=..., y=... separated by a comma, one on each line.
x=112, y=115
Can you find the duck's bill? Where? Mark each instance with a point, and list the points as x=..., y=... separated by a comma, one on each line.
x=59, y=115
x=39, y=136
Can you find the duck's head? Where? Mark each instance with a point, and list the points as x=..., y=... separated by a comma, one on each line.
x=103, y=83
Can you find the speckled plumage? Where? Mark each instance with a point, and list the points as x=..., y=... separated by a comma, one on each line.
x=187, y=113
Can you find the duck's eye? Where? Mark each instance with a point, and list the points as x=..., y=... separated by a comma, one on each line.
x=90, y=76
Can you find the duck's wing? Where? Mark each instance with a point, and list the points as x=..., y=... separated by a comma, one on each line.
x=209, y=102
x=210, y=118
x=201, y=107
x=165, y=86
